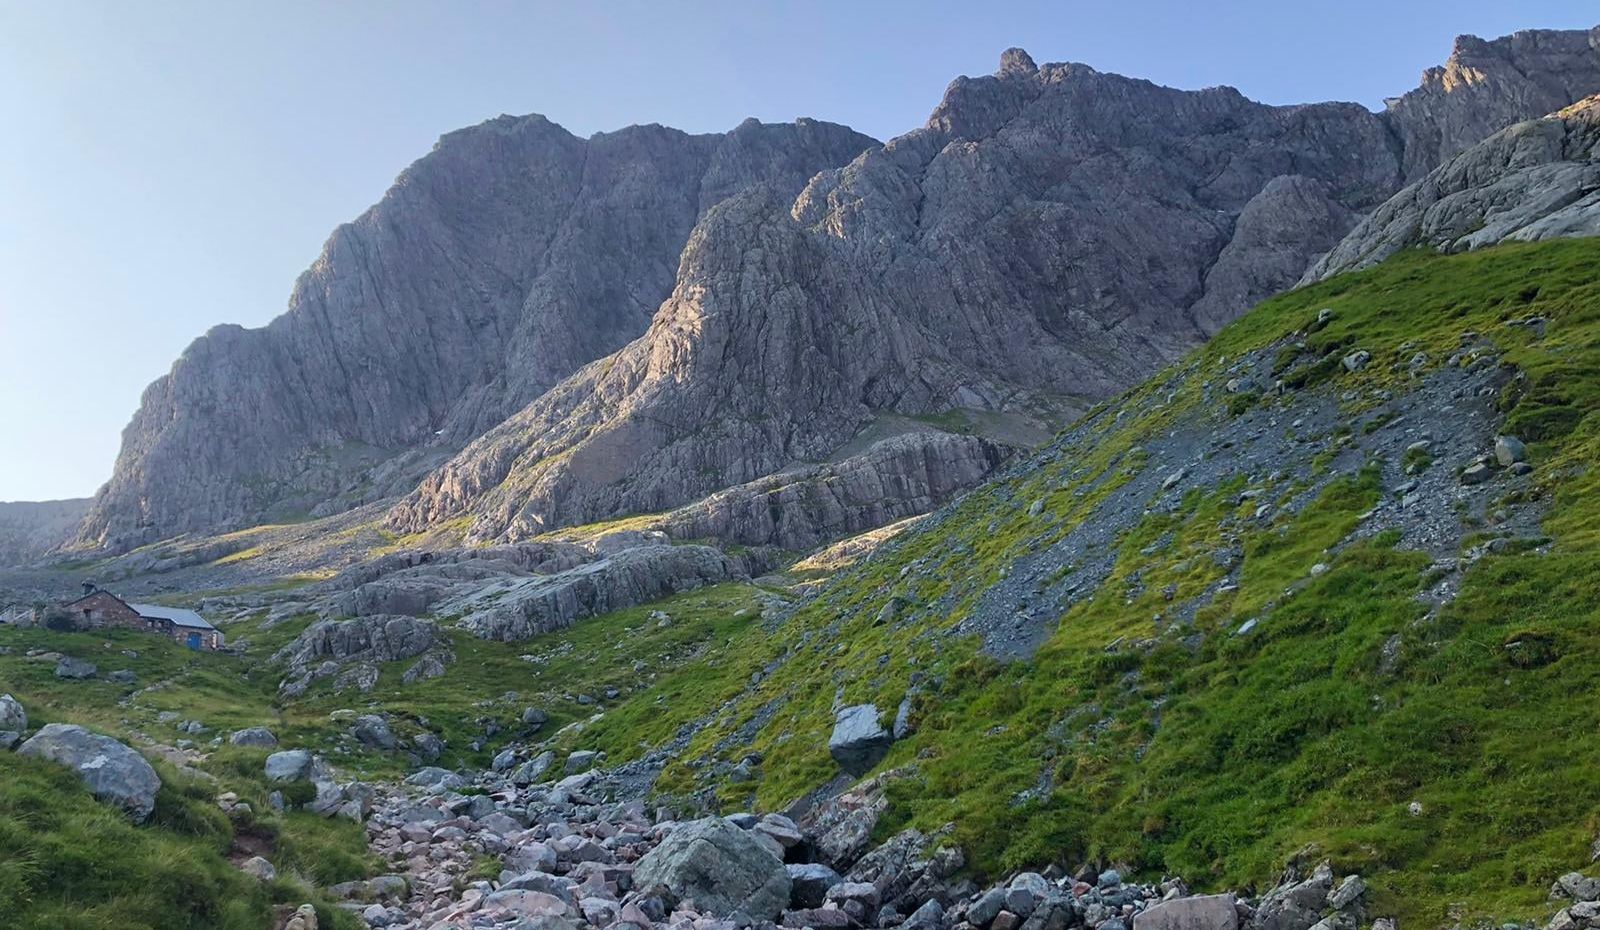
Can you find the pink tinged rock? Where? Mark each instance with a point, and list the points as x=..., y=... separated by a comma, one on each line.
x=1201, y=912
x=528, y=903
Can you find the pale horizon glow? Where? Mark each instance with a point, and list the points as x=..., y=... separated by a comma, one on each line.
x=175, y=166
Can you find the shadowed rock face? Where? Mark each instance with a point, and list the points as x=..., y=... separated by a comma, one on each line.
x=1536, y=180
x=1050, y=232
x=495, y=266
x=29, y=529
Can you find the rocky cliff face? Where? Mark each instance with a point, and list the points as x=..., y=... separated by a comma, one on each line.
x=801, y=509
x=1536, y=180
x=1051, y=231
x=29, y=529
x=1486, y=86
x=498, y=264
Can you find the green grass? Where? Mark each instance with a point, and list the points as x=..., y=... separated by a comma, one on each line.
x=1116, y=742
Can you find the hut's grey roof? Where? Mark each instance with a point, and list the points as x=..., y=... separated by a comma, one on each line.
x=179, y=616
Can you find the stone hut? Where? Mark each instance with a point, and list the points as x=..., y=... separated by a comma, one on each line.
x=101, y=608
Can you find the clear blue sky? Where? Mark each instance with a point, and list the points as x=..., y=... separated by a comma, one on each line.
x=169, y=166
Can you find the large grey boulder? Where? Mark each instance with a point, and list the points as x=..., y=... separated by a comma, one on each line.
x=350, y=649
x=859, y=740
x=721, y=867
x=113, y=772
x=13, y=721
x=253, y=736
x=534, y=769
x=1199, y=912
x=75, y=669
x=290, y=765
x=373, y=731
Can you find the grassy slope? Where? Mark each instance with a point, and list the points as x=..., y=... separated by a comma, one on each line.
x=1221, y=764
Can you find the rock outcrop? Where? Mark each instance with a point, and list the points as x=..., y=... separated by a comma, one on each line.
x=1539, y=179
x=111, y=771
x=800, y=509
x=1051, y=232
x=351, y=649
x=367, y=639
x=1488, y=85
x=495, y=266
x=524, y=608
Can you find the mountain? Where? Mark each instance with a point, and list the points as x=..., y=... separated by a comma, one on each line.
x=30, y=529
x=554, y=330
x=1052, y=232
x=498, y=264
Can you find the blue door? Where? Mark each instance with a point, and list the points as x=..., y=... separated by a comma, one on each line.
x=194, y=641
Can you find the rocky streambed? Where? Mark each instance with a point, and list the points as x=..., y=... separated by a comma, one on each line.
x=584, y=850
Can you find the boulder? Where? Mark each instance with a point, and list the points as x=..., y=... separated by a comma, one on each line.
x=1579, y=887
x=809, y=884
x=531, y=771
x=431, y=665
x=1509, y=450
x=859, y=740
x=721, y=867
x=373, y=731
x=581, y=761
x=254, y=736
x=258, y=867
x=429, y=747
x=113, y=772
x=987, y=907
x=1476, y=473
x=289, y=765
x=526, y=903
x=1200, y=912
x=13, y=721
x=75, y=669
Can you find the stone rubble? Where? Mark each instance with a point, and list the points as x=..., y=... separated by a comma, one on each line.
x=482, y=852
